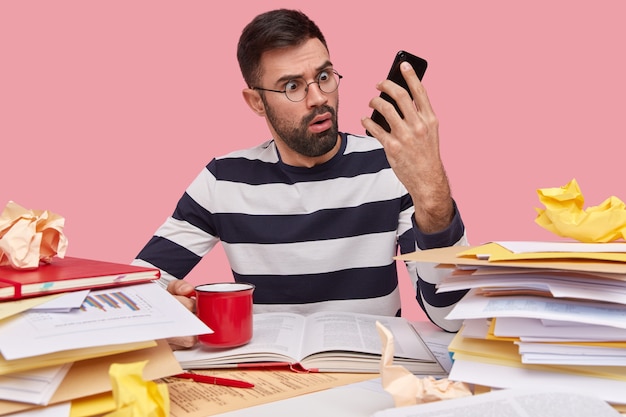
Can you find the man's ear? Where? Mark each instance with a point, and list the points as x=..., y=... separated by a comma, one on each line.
x=253, y=99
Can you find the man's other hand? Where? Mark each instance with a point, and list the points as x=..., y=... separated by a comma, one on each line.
x=185, y=293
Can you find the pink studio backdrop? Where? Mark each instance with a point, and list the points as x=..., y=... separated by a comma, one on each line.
x=108, y=109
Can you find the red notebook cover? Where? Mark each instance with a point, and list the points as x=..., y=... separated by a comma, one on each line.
x=69, y=274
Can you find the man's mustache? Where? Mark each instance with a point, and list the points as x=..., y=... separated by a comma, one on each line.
x=317, y=111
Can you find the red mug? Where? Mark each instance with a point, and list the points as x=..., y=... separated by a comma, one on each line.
x=226, y=307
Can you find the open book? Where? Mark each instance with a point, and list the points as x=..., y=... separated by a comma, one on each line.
x=325, y=341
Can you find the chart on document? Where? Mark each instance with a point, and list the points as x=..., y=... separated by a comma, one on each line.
x=114, y=302
x=100, y=310
x=130, y=314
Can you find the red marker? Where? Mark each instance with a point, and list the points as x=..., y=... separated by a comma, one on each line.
x=207, y=379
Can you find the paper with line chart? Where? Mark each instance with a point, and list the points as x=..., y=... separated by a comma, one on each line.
x=126, y=314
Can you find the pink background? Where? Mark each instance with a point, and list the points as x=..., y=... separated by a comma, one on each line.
x=108, y=109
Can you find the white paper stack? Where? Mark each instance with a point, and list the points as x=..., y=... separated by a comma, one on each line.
x=48, y=345
x=539, y=314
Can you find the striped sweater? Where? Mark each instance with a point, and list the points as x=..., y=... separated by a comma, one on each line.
x=309, y=239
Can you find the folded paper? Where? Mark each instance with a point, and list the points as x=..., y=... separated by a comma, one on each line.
x=134, y=396
x=565, y=215
x=28, y=237
x=408, y=389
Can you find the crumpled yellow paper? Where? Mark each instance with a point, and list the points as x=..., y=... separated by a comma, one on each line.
x=565, y=215
x=135, y=397
x=408, y=389
x=28, y=237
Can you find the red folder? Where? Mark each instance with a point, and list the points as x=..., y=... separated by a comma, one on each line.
x=69, y=274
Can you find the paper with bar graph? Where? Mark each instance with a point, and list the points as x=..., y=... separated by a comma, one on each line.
x=126, y=314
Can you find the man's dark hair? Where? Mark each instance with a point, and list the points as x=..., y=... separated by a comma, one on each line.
x=271, y=30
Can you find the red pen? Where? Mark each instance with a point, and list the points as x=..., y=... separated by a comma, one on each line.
x=207, y=379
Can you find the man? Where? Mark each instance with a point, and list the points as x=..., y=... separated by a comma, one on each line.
x=314, y=216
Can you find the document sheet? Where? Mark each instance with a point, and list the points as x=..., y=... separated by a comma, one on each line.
x=119, y=315
x=193, y=399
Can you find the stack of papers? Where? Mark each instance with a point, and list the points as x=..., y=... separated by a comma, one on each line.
x=59, y=348
x=539, y=314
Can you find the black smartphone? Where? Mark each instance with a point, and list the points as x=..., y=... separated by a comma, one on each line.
x=418, y=64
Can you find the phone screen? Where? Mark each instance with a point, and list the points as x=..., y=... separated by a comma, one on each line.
x=418, y=64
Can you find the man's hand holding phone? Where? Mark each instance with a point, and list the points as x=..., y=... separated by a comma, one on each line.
x=412, y=147
x=395, y=74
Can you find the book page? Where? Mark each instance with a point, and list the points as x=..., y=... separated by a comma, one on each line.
x=327, y=331
x=276, y=337
x=276, y=332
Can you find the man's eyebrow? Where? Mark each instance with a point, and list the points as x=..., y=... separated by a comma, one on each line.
x=288, y=77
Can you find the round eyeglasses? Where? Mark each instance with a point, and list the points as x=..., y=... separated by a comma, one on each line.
x=297, y=89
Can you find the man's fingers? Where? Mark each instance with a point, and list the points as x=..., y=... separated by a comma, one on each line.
x=189, y=303
x=180, y=287
x=178, y=343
